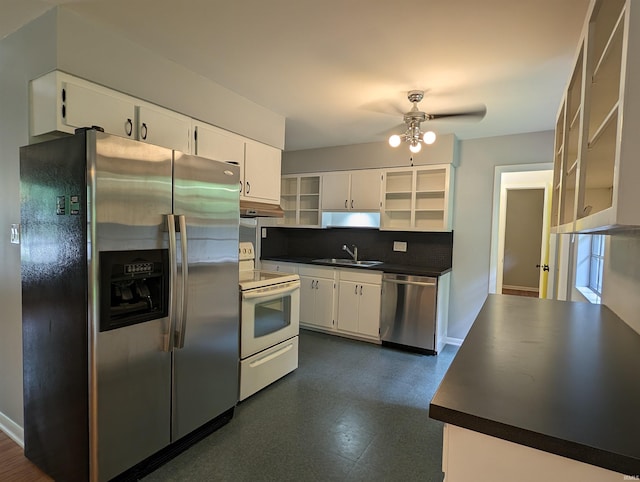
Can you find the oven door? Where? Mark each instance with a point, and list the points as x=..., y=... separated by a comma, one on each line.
x=269, y=315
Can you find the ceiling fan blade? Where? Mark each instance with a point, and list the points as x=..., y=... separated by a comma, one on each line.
x=476, y=113
x=384, y=107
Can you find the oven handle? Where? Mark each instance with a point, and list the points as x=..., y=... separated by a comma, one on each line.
x=268, y=295
x=271, y=356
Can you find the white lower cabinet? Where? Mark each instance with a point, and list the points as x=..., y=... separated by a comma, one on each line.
x=469, y=455
x=317, y=297
x=341, y=301
x=359, y=296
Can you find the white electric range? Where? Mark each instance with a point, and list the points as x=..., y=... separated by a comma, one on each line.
x=269, y=323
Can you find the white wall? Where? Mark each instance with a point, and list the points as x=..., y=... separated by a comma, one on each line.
x=368, y=155
x=621, y=277
x=88, y=50
x=473, y=201
x=28, y=53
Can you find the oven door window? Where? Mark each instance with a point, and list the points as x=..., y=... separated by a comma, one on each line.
x=272, y=316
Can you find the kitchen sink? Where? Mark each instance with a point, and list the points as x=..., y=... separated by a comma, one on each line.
x=348, y=262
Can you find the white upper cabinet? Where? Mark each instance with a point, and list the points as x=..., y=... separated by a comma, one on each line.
x=261, y=173
x=596, y=170
x=259, y=163
x=60, y=102
x=417, y=198
x=162, y=127
x=351, y=191
x=215, y=143
x=300, y=199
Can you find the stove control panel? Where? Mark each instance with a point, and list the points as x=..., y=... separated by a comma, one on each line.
x=245, y=251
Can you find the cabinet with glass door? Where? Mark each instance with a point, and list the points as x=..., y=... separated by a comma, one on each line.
x=300, y=200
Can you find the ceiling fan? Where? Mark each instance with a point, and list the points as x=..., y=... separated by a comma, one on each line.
x=412, y=119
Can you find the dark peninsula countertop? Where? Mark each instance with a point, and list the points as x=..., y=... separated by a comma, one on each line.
x=557, y=376
x=431, y=271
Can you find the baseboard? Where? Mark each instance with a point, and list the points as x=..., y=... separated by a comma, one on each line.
x=519, y=288
x=453, y=341
x=14, y=431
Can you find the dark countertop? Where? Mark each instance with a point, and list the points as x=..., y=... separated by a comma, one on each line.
x=556, y=376
x=430, y=271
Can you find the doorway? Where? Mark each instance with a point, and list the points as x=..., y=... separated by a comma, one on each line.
x=523, y=242
x=511, y=179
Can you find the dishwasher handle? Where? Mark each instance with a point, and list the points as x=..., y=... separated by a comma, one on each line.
x=406, y=282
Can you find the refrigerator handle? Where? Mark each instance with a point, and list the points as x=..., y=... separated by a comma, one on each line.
x=173, y=275
x=185, y=282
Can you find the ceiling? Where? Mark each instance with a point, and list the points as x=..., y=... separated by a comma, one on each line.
x=339, y=69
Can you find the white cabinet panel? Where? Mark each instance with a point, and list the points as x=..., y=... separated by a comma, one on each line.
x=86, y=107
x=214, y=143
x=335, y=191
x=348, y=306
x=162, y=127
x=351, y=191
x=261, y=172
x=365, y=190
x=61, y=102
x=317, y=297
x=359, y=299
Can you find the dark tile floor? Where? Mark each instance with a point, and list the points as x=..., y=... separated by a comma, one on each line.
x=351, y=411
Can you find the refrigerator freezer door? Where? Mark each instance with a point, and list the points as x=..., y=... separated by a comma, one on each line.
x=131, y=197
x=205, y=372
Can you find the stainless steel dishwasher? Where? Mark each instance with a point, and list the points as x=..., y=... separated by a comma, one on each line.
x=408, y=312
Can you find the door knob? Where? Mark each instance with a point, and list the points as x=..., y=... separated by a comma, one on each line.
x=545, y=267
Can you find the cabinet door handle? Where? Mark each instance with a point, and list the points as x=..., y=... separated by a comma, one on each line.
x=248, y=187
x=241, y=186
x=128, y=127
x=360, y=290
x=356, y=291
x=345, y=204
x=352, y=204
x=143, y=131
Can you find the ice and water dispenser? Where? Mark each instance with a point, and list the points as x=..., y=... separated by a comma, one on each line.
x=134, y=287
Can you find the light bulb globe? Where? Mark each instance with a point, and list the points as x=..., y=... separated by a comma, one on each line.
x=429, y=137
x=394, y=140
x=415, y=147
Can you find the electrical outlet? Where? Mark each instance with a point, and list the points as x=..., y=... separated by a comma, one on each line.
x=400, y=246
x=15, y=234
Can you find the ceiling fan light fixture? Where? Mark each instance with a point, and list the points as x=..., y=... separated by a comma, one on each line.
x=395, y=140
x=429, y=137
x=415, y=146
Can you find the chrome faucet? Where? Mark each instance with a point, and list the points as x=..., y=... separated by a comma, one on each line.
x=354, y=253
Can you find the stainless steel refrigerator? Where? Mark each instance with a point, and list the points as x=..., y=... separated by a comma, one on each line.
x=129, y=303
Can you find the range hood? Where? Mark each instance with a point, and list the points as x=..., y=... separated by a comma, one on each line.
x=253, y=209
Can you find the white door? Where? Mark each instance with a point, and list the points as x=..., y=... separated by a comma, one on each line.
x=335, y=191
x=162, y=127
x=348, y=300
x=365, y=190
x=307, y=300
x=324, y=303
x=214, y=143
x=86, y=107
x=369, y=310
x=262, y=172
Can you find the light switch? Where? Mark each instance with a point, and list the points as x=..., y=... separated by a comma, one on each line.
x=400, y=246
x=264, y=232
x=15, y=234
